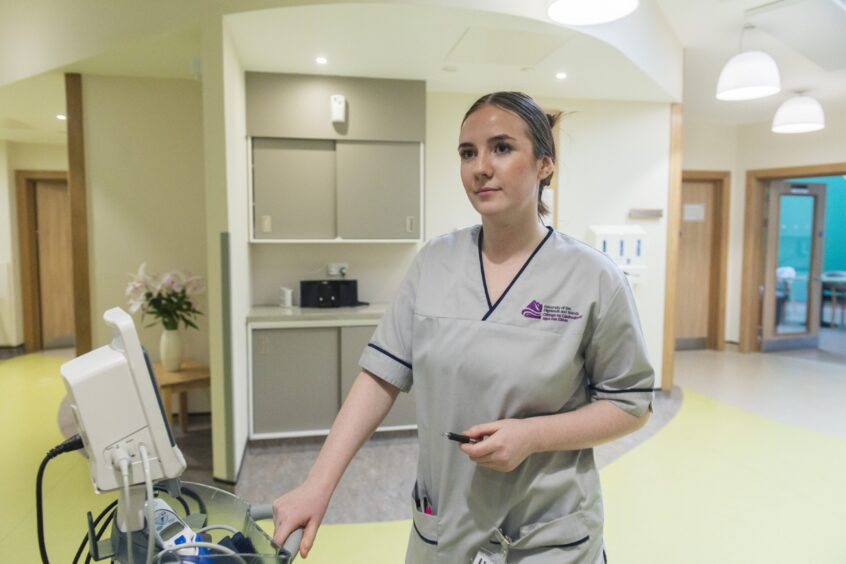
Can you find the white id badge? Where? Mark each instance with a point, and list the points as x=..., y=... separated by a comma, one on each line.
x=488, y=557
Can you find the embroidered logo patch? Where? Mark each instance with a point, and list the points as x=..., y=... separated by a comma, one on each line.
x=564, y=314
x=533, y=311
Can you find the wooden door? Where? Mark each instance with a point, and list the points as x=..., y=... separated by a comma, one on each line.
x=695, y=263
x=55, y=264
x=793, y=244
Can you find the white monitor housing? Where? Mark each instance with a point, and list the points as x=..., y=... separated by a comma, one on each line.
x=116, y=403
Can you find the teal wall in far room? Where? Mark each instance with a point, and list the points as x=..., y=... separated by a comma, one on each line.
x=834, y=251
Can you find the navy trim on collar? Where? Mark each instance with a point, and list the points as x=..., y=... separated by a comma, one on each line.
x=491, y=308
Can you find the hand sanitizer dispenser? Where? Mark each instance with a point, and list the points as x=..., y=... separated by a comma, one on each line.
x=624, y=244
x=339, y=108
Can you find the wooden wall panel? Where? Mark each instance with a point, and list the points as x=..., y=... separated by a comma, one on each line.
x=79, y=213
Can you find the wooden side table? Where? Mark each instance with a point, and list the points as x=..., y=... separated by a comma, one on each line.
x=192, y=376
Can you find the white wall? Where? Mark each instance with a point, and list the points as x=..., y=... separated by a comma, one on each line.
x=144, y=172
x=614, y=156
x=239, y=259
x=9, y=333
x=714, y=146
x=709, y=146
x=13, y=157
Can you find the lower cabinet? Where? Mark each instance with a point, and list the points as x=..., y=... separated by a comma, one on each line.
x=300, y=376
x=295, y=379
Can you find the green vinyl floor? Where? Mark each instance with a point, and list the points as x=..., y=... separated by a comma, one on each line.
x=717, y=485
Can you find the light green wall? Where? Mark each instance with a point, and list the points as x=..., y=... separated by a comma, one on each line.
x=144, y=172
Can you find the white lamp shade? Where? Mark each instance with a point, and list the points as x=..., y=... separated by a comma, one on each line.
x=751, y=74
x=799, y=115
x=590, y=12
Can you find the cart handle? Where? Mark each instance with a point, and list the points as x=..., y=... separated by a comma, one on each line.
x=292, y=543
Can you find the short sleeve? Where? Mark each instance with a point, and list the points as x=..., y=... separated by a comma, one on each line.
x=388, y=354
x=615, y=356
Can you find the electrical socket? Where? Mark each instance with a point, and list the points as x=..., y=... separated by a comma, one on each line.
x=337, y=268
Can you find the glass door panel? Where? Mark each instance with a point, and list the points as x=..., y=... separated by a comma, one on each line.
x=795, y=241
x=793, y=261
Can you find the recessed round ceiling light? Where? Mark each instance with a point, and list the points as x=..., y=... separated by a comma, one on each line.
x=590, y=12
x=561, y=75
x=61, y=117
x=321, y=60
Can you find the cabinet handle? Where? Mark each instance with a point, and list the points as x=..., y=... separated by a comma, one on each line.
x=266, y=224
x=409, y=223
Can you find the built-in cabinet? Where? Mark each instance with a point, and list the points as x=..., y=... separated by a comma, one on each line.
x=300, y=376
x=319, y=189
x=315, y=179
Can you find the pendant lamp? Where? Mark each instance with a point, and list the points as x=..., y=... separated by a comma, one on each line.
x=799, y=114
x=749, y=75
x=590, y=12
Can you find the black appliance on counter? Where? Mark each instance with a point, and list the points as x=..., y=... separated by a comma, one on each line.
x=329, y=293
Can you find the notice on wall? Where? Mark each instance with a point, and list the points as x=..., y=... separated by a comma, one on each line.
x=693, y=212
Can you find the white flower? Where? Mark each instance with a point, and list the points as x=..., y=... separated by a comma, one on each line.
x=135, y=305
x=136, y=290
x=168, y=282
x=165, y=297
x=195, y=286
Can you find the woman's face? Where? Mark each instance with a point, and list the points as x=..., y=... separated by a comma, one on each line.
x=498, y=167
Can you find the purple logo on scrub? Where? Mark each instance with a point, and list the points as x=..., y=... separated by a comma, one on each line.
x=533, y=310
x=564, y=314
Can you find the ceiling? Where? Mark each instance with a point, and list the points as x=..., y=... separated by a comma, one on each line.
x=471, y=51
x=710, y=32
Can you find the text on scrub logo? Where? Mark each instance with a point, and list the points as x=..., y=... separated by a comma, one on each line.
x=564, y=314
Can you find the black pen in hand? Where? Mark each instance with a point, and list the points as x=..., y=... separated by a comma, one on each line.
x=459, y=438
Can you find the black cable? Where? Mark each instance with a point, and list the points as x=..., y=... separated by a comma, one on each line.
x=193, y=495
x=102, y=514
x=100, y=534
x=69, y=445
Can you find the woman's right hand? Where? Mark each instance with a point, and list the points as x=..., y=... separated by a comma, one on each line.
x=303, y=507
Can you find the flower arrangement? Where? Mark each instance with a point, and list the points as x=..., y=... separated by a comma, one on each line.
x=170, y=297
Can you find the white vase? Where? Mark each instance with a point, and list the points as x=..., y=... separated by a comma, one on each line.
x=170, y=349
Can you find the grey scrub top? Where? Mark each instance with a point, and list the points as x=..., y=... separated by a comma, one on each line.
x=564, y=333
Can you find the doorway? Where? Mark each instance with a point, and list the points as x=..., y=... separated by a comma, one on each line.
x=44, y=227
x=702, y=260
x=810, y=312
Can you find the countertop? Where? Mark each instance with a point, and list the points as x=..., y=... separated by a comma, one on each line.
x=317, y=316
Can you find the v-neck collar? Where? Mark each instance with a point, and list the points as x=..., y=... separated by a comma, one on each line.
x=492, y=307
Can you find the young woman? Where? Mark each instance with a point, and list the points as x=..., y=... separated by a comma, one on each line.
x=519, y=337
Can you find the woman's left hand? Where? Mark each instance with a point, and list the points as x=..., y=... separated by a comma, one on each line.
x=506, y=444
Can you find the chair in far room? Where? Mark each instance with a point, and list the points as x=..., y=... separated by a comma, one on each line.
x=834, y=292
x=785, y=275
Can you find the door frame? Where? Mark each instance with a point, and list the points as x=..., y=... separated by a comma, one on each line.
x=28, y=246
x=753, y=268
x=721, y=181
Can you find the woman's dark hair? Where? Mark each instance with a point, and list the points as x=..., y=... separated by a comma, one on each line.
x=538, y=123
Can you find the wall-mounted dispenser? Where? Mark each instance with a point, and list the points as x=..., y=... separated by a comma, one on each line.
x=624, y=244
x=339, y=108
